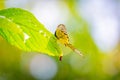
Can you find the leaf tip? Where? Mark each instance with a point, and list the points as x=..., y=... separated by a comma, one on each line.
x=60, y=58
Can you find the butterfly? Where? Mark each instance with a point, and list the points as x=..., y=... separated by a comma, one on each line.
x=62, y=37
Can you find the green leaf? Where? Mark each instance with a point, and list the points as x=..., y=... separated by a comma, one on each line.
x=21, y=29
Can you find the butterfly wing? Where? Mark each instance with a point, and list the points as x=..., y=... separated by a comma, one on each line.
x=61, y=34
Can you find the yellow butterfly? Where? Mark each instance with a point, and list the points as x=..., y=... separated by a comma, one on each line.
x=62, y=36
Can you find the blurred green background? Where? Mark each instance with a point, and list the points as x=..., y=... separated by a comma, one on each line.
x=93, y=27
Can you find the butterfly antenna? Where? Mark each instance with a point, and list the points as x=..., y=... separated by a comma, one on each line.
x=74, y=49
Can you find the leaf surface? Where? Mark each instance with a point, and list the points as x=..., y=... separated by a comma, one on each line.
x=21, y=29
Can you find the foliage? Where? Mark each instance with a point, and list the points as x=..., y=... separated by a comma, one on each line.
x=21, y=29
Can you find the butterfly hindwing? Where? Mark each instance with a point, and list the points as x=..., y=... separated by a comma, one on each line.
x=61, y=34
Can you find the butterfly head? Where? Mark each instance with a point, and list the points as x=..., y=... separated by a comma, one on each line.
x=62, y=28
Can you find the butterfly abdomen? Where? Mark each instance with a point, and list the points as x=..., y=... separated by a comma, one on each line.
x=62, y=37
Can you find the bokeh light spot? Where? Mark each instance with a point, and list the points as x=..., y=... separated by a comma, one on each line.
x=43, y=67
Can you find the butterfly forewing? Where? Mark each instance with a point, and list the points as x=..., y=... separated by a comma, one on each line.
x=62, y=35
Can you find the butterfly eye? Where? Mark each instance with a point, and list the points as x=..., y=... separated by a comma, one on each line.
x=62, y=29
